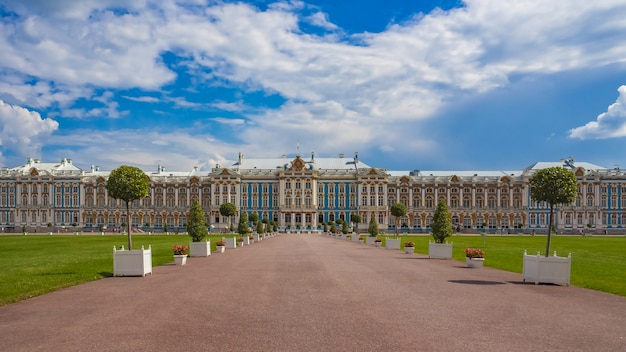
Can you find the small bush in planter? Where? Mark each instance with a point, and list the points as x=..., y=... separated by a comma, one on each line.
x=409, y=244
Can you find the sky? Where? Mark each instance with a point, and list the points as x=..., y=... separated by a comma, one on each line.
x=408, y=84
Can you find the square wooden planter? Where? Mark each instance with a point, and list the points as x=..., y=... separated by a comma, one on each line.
x=392, y=243
x=231, y=242
x=137, y=262
x=553, y=270
x=200, y=249
x=440, y=250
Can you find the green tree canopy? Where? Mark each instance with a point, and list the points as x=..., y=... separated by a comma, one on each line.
x=196, y=225
x=259, y=226
x=553, y=185
x=333, y=227
x=243, y=228
x=344, y=228
x=229, y=210
x=373, y=227
x=441, y=223
x=254, y=217
x=127, y=183
x=398, y=210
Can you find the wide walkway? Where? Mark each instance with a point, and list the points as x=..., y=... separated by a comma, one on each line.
x=314, y=293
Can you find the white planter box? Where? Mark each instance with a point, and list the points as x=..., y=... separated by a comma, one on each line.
x=370, y=240
x=137, y=262
x=440, y=250
x=554, y=270
x=355, y=238
x=476, y=263
x=409, y=250
x=246, y=240
x=220, y=249
x=392, y=243
x=257, y=237
x=231, y=242
x=180, y=259
x=200, y=249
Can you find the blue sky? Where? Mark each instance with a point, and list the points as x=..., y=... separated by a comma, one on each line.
x=429, y=85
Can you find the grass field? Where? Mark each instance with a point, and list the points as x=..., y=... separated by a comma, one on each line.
x=598, y=262
x=34, y=265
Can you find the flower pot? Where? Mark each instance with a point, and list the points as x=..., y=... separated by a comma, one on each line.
x=474, y=262
x=409, y=250
x=180, y=259
x=220, y=249
x=200, y=249
x=370, y=240
x=378, y=244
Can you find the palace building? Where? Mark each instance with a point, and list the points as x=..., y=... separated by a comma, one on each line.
x=303, y=192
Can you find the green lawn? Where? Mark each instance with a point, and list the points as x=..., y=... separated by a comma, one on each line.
x=598, y=262
x=34, y=265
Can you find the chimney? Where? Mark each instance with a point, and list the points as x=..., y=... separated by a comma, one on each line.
x=240, y=158
x=312, y=156
x=341, y=155
x=356, y=157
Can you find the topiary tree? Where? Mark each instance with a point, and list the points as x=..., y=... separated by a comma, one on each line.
x=275, y=226
x=553, y=185
x=325, y=227
x=228, y=210
x=259, y=227
x=398, y=210
x=373, y=227
x=356, y=218
x=196, y=225
x=344, y=228
x=127, y=183
x=442, y=223
x=243, y=228
x=254, y=218
x=333, y=227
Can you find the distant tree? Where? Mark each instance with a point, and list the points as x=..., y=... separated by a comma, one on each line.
x=553, y=185
x=196, y=225
x=259, y=226
x=356, y=218
x=441, y=223
x=344, y=228
x=325, y=227
x=275, y=226
x=333, y=227
x=373, y=227
x=127, y=183
x=243, y=228
x=398, y=210
x=254, y=217
x=228, y=210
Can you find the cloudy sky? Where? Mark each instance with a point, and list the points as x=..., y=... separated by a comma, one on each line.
x=409, y=84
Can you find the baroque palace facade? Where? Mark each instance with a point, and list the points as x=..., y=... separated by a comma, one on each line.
x=301, y=193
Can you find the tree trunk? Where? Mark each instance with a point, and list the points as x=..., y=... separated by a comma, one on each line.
x=550, y=221
x=130, y=242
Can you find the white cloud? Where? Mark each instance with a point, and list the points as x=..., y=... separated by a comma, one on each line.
x=609, y=124
x=24, y=131
x=348, y=92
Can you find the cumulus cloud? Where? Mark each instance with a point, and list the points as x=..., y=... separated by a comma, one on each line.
x=609, y=124
x=24, y=131
x=345, y=90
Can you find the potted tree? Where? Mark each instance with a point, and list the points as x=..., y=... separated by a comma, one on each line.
x=398, y=210
x=129, y=183
x=441, y=229
x=409, y=247
x=197, y=229
x=553, y=185
x=243, y=228
x=228, y=210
